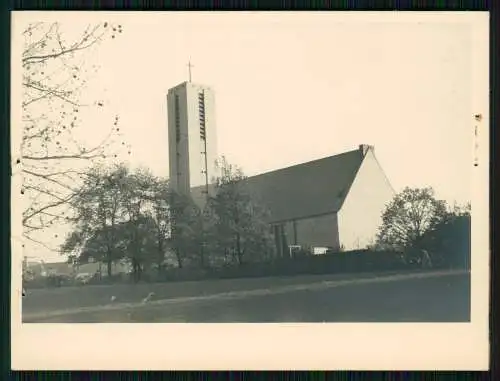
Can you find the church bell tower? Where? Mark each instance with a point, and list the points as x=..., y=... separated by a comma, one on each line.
x=192, y=136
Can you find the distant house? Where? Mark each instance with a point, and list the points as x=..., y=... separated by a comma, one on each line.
x=332, y=202
x=40, y=269
x=94, y=267
x=37, y=269
x=59, y=268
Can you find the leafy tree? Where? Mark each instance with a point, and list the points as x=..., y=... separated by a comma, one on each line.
x=449, y=241
x=54, y=78
x=460, y=210
x=239, y=222
x=204, y=236
x=134, y=215
x=408, y=217
x=137, y=195
x=161, y=218
x=99, y=247
x=123, y=246
x=185, y=227
x=120, y=214
x=98, y=210
x=72, y=246
x=140, y=244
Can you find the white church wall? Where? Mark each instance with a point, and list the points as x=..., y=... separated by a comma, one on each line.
x=186, y=156
x=178, y=150
x=361, y=214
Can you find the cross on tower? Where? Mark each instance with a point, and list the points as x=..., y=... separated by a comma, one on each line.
x=189, y=68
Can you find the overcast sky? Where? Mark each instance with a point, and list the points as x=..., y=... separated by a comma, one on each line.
x=294, y=87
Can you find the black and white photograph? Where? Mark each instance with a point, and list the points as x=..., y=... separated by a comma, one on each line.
x=249, y=167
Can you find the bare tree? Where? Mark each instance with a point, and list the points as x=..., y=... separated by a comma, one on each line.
x=52, y=156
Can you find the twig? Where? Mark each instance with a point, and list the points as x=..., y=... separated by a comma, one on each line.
x=50, y=92
x=48, y=206
x=49, y=179
x=74, y=48
x=59, y=157
x=40, y=243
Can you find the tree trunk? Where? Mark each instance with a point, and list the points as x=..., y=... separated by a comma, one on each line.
x=134, y=270
x=139, y=271
x=202, y=256
x=161, y=258
x=109, y=262
x=234, y=256
x=178, y=256
x=238, y=248
x=134, y=252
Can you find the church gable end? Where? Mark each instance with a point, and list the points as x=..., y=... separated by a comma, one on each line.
x=360, y=214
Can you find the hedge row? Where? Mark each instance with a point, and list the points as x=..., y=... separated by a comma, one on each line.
x=335, y=263
x=361, y=261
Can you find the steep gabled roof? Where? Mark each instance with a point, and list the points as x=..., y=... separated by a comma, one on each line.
x=304, y=190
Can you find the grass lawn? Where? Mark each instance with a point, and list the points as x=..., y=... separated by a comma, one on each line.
x=43, y=301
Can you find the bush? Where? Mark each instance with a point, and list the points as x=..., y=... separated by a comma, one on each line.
x=335, y=263
x=58, y=280
x=449, y=244
x=37, y=282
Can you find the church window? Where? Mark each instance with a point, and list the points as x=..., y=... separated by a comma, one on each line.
x=201, y=108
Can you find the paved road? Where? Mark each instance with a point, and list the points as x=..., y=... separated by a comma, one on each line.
x=443, y=298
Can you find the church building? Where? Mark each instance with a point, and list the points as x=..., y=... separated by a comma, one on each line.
x=334, y=202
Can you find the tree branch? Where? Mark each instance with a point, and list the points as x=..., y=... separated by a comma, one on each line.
x=49, y=179
x=74, y=48
x=48, y=206
x=48, y=92
x=40, y=243
x=59, y=157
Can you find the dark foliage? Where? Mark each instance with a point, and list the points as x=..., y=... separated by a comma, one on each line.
x=450, y=242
